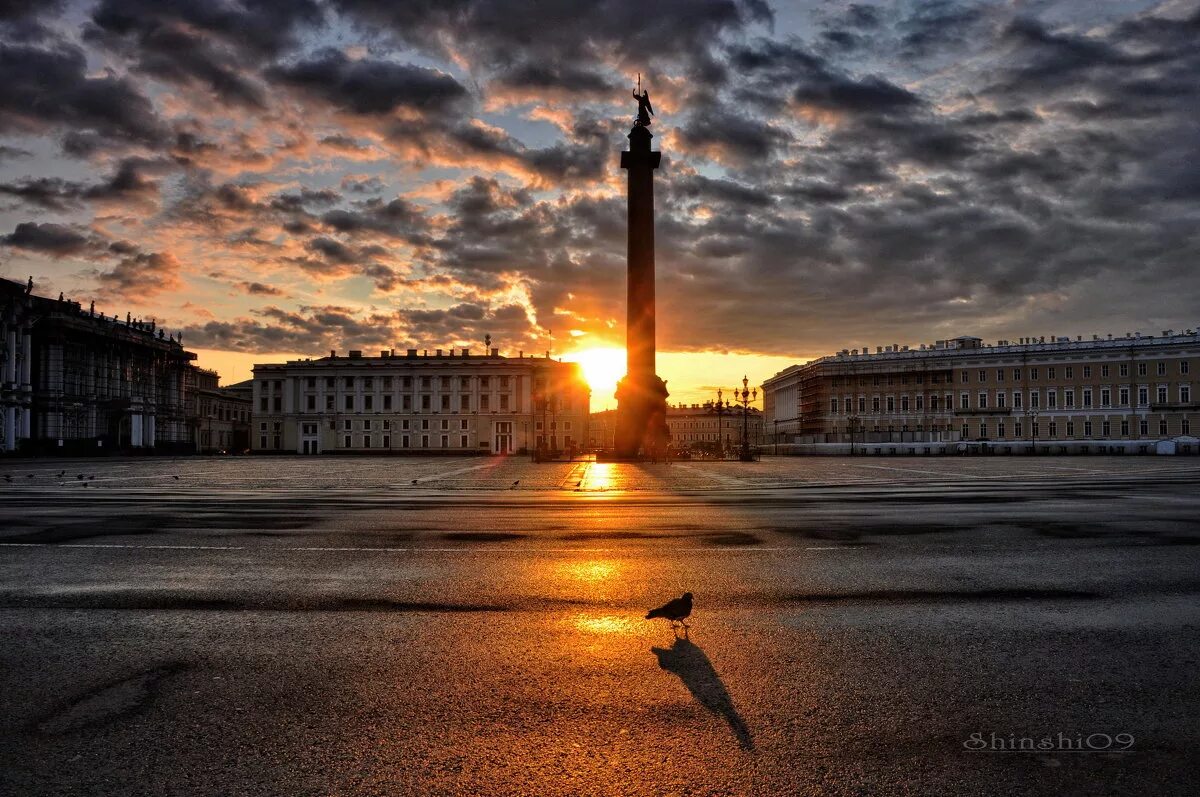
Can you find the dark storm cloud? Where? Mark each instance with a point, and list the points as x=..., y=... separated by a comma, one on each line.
x=397, y=218
x=259, y=289
x=48, y=86
x=128, y=182
x=55, y=240
x=492, y=31
x=372, y=86
x=306, y=329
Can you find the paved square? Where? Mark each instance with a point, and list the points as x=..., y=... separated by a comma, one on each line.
x=474, y=626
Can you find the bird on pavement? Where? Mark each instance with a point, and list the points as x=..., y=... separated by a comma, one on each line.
x=91, y=478
x=79, y=476
x=62, y=473
x=173, y=476
x=7, y=478
x=514, y=484
x=676, y=611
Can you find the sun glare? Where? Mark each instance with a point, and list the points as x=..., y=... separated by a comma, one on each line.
x=602, y=368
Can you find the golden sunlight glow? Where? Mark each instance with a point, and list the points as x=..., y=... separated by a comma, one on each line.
x=590, y=571
x=602, y=368
x=604, y=624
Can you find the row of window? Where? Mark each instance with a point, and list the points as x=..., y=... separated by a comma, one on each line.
x=367, y=425
x=939, y=403
x=1050, y=430
x=1051, y=372
x=1069, y=371
x=386, y=382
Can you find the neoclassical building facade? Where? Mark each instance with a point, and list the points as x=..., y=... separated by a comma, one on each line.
x=1100, y=395
x=447, y=401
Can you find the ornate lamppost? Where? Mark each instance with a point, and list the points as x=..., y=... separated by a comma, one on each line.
x=721, y=408
x=745, y=397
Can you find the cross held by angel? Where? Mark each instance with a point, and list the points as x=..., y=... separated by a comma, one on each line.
x=645, y=109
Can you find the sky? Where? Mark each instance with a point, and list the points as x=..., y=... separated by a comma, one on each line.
x=280, y=178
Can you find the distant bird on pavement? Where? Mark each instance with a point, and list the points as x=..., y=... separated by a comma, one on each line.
x=79, y=476
x=62, y=473
x=414, y=481
x=514, y=484
x=173, y=476
x=676, y=610
x=91, y=478
x=7, y=478
x=28, y=475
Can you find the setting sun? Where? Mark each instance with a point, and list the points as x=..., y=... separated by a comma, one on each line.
x=602, y=368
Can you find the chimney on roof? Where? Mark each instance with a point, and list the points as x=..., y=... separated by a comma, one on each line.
x=466, y=352
x=332, y=353
x=411, y=352
x=439, y=352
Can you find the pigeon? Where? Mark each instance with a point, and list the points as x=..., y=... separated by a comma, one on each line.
x=7, y=478
x=91, y=478
x=173, y=476
x=28, y=475
x=79, y=476
x=414, y=481
x=62, y=473
x=675, y=611
x=514, y=484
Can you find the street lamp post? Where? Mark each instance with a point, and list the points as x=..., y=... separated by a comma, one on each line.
x=853, y=419
x=722, y=409
x=744, y=397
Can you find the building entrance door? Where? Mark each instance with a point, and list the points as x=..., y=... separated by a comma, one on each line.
x=503, y=437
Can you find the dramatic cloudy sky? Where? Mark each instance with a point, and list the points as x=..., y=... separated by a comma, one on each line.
x=282, y=177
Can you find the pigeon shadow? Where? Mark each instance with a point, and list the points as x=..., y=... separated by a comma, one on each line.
x=688, y=661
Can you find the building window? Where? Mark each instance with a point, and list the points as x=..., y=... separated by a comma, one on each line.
x=425, y=402
x=983, y=401
x=424, y=424
x=262, y=404
x=484, y=403
x=464, y=383
x=387, y=425
x=862, y=403
x=1185, y=394
x=891, y=403
x=347, y=424
x=1105, y=428
x=464, y=403
x=1068, y=398
x=406, y=402
x=1034, y=428
x=1000, y=400
x=1053, y=429
x=1069, y=372
x=312, y=403
x=964, y=431
x=426, y=383
x=462, y=424
x=1034, y=399
x=999, y=374
x=1143, y=396
x=965, y=378
x=983, y=429
x=1123, y=396
x=1050, y=373
x=262, y=442
x=262, y=427
x=346, y=442
x=329, y=402
x=445, y=424
x=1087, y=397
x=349, y=403
x=503, y=401
x=1000, y=430
x=1103, y=371
x=366, y=425
x=1033, y=373
x=904, y=403
x=387, y=402
x=1123, y=369
x=920, y=403
x=1087, y=371
x=833, y=406
x=1183, y=366
x=1016, y=400
x=387, y=441
x=462, y=441
x=445, y=441
x=366, y=441
x=1162, y=426
x=404, y=441
x=982, y=375
x=424, y=441
x=1016, y=374
x=1016, y=428
x=1070, y=428
x=368, y=403
x=1087, y=428
x=1144, y=427
x=1185, y=426
x=1162, y=369
x=964, y=401
x=1162, y=394
x=1052, y=399
x=1124, y=428
x=1141, y=369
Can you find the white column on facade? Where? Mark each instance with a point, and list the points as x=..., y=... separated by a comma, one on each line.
x=27, y=358
x=10, y=364
x=135, y=429
x=149, y=431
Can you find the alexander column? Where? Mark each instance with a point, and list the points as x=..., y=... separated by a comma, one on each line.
x=641, y=395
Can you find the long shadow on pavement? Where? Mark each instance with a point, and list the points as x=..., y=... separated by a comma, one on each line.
x=687, y=660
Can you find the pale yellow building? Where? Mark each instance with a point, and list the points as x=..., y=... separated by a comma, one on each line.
x=448, y=402
x=1131, y=394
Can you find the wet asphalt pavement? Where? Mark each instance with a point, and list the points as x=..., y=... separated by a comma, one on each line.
x=462, y=626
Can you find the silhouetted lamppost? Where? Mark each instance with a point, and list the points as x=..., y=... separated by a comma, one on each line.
x=744, y=397
x=722, y=408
